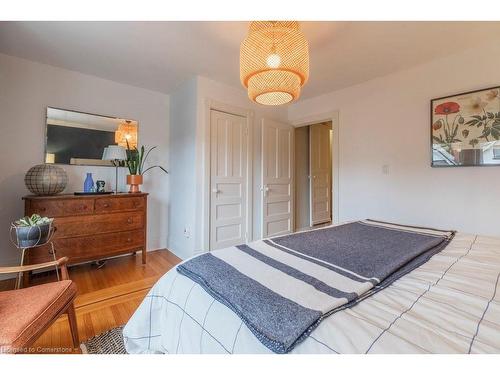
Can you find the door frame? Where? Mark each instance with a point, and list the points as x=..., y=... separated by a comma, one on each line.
x=210, y=105
x=334, y=117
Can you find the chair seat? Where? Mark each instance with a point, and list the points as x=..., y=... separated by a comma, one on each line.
x=24, y=313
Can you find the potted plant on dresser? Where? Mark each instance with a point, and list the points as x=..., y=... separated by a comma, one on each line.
x=136, y=161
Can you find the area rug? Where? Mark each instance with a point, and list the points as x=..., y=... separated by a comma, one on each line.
x=109, y=342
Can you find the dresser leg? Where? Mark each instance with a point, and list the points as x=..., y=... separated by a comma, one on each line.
x=143, y=256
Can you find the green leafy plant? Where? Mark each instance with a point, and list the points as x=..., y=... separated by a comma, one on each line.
x=33, y=221
x=136, y=160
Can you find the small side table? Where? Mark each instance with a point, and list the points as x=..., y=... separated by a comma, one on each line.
x=21, y=275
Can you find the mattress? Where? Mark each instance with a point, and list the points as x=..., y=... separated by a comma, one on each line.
x=450, y=304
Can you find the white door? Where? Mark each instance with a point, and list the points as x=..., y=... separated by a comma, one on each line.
x=228, y=180
x=320, y=170
x=277, y=178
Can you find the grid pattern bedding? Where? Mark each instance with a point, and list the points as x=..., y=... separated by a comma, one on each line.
x=450, y=304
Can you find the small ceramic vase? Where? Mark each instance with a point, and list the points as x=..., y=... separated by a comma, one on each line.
x=88, y=185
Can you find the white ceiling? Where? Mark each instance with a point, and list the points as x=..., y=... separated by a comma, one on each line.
x=161, y=55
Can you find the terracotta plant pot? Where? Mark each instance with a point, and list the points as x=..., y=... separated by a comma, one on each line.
x=134, y=180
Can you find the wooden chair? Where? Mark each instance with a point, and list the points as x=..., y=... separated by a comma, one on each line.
x=25, y=314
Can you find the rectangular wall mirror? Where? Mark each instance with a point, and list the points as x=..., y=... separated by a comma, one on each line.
x=79, y=138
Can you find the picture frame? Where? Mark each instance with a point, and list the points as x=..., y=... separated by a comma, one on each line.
x=465, y=129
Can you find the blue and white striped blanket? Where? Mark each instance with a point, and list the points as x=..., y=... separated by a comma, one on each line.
x=282, y=288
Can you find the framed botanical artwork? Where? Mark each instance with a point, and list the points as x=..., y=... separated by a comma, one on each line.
x=465, y=129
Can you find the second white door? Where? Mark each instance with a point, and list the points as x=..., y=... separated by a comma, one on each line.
x=228, y=180
x=277, y=178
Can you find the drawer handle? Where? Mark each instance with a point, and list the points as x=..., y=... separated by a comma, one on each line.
x=42, y=209
x=83, y=207
x=129, y=239
x=129, y=220
x=106, y=205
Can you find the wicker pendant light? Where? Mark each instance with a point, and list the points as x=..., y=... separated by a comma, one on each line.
x=126, y=132
x=274, y=62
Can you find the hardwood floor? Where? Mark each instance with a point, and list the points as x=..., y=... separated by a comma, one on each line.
x=107, y=296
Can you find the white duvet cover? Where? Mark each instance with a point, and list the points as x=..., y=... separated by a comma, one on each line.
x=451, y=304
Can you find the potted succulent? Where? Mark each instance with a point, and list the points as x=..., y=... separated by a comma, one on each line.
x=136, y=160
x=32, y=230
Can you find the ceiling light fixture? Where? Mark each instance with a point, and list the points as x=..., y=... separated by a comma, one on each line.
x=274, y=62
x=126, y=132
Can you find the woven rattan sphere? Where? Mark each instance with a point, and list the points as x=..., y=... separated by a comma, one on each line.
x=46, y=179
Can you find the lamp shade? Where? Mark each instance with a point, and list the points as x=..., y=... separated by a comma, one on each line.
x=274, y=62
x=114, y=152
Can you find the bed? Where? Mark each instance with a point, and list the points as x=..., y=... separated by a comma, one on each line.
x=447, y=303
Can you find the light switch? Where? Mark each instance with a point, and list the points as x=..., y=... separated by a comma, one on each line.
x=385, y=169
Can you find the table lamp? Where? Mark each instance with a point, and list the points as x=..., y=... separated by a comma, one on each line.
x=115, y=154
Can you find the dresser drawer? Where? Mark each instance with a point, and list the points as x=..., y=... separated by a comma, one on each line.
x=81, y=249
x=103, y=205
x=66, y=207
x=96, y=224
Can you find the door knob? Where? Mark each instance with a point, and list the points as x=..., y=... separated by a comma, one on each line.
x=215, y=190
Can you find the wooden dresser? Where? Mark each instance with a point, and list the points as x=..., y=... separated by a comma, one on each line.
x=91, y=227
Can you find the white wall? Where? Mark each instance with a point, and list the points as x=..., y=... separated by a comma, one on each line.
x=182, y=214
x=385, y=121
x=26, y=88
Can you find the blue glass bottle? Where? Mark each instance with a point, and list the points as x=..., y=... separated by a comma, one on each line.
x=88, y=185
